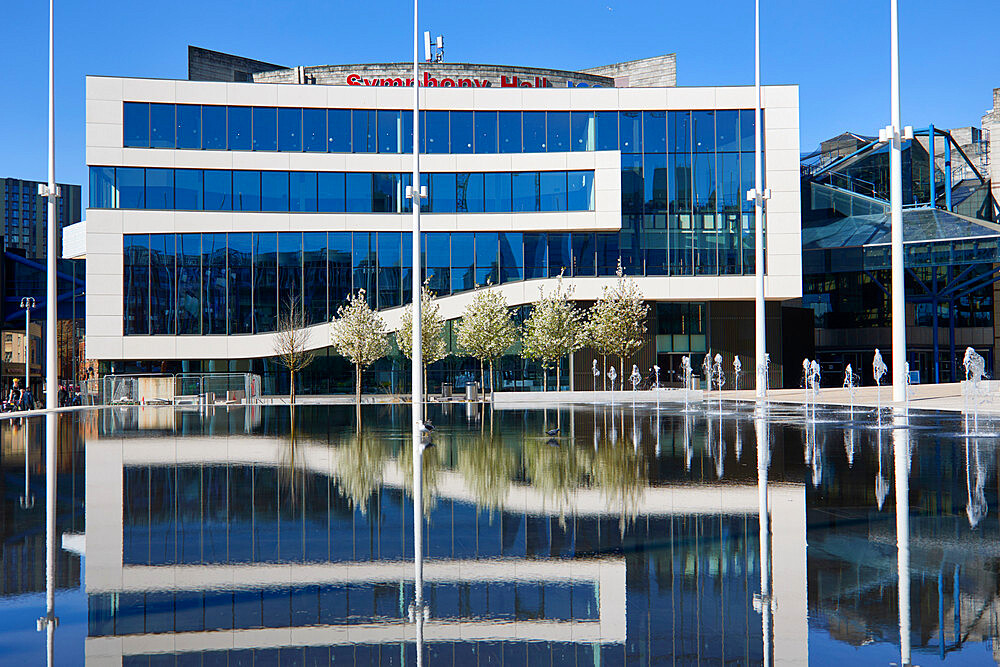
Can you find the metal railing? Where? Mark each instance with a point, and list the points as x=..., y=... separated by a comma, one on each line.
x=179, y=388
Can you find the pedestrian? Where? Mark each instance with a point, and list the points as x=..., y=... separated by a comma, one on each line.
x=14, y=397
x=62, y=395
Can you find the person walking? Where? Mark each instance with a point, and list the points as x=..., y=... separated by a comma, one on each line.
x=14, y=397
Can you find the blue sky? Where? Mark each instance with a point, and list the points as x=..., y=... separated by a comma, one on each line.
x=837, y=51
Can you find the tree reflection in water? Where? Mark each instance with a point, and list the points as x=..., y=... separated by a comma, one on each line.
x=360, y=467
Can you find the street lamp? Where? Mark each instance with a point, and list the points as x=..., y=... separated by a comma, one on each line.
x=27, y=303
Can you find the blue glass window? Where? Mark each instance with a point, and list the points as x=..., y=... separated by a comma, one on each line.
x=510, y=131
x=580, y=190
x=240, y=128
x=302, y=191
x=630, y=131
x=535, y=247
x=703, y=131
x=246, y=190
x=632, y=185
x=136, y=288
x=162, y=122
x=314, y=277
x=314, y=130
x=747, y=179
x=583, y=131
x=511, y=256
x=552, y=191
x=487, y=260
x=704, y=183
x=331, y=193
x=389, y=270
x=463, y=261
x=389, y=131
x=534, y=131
x=747, y=135
x=363, y=130
x=265, y=281
x=162, y=273
x=727, y=130
x=274, y=190
x=135, y=124
x=289, y=130
x=188, y=188
x=339, y=130
x=680, y=183
x=681, y=244
x=607, y=130
x=729, y=182
x=524, y=191
x=607, y=253
x=469, y=193
x=584, y=254
x=240, y=283
x=102, y=187
x=442, y=193
x=560, y=259
x=497, y=189
x=289, y=272
x=359, y=193
x=189, y=284
x=558, y=129
x=159, y=188
x=213, y=128
x=654, y=131
x=218, y=190
x=384, y=193
x=339, y=269
x=407, y=132
x=486, y=131
x=213, y=282
x=462, y=134
x=437, y=260
x=188, y=126
x=364, y=263
x=435, y=129
x=265, y=128
x=680, y=131
x=655, y=182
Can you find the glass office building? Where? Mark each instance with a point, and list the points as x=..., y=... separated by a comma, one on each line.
x=213, y=205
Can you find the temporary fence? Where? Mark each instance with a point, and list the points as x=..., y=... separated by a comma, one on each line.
x=180, y=388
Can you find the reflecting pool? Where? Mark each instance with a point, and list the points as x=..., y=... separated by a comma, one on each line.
x=633, y=534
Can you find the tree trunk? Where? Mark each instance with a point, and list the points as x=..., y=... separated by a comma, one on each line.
x=482, y=380
x=604, y=371
x=357, y=387
x=426, y=389
x=291, y=379
x=491, y=380
x=558, y=375
x=545, y=378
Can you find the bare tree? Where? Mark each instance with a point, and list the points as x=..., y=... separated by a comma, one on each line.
x=291, y=341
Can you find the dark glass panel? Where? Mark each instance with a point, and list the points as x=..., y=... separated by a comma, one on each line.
x=102, y=187
x=703, y=131
x=655, y=183
x=560, y=259
x=681, y=245
x=339, y=130
x=188, y=126
x=405, y=205
x=389, y=131
x=552, y=191
x=584, y=254
x=704, y=183
x=583, y=131
x=463, y=261
x=340, y=268
x=654, y=245
x=389, y=270
x=510, y=131
x=135, y=125
x=534, y=131
x=706, y=239
x=136, y=278
x=727, y=130
x=580, y=190
x=188, y=189
x=246, y=190
x=747, y=134
x=680, y=131
x=407, y=145
x=274, y=191
x=511, y=256
x=384, y=193
x=159, y=188
x=240, y=128
x=302, y=191
x=314, y=130
x=729, y=182
x=524, y=191
x=162, y=124
x=435, y=130
x=213, y=128
x=240, y=282
x=497, y=192
x=289, y=272
x=535, y=253
x=265, y=128
x=654, y=131
x=436, y=249
x=462, y=134
x=607, y=130
x=331, y=192
x=265, y=281
x=363, y=130
x=487, y=261
x=359, y=192
x=407, y=270
x=213, y=266
x=747, y=179
x=632, y=184
x=729, y=243
x=557, y=132
x=189, y=284
x=442, y=193
x=469, y=194
x=630, y=131
x=218, y=190
x=162, y=283
x=486, y=131
x=607, y=253
x=289, y=130
x=314, y=277
x=365, y=265
x=680, y=183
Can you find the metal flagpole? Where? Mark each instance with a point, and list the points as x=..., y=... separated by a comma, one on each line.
x=758, y=198
x=896, y=204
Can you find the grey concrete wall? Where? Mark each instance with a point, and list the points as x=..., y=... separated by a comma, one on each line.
x=655, y=72
x=207, y=65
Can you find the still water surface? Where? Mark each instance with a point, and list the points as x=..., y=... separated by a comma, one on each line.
x=255, y=536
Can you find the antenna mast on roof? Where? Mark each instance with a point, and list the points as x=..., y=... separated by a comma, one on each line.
x=433, y=52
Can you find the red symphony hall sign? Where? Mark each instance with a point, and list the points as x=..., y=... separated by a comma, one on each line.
x=448, y=82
